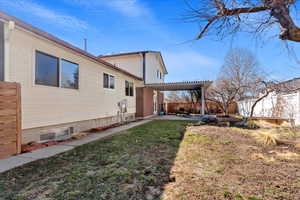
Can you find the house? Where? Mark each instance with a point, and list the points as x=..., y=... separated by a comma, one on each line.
x=65, y=90
x=283, y=103
x=149, y=66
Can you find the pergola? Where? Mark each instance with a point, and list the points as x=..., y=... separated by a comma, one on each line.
x=183, y=86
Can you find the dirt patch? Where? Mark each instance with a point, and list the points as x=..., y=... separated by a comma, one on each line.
x=227, y=163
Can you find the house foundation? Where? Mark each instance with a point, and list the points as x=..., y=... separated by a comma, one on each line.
x=67, y=130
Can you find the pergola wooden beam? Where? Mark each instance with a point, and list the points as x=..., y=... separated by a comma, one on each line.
x=183, y=86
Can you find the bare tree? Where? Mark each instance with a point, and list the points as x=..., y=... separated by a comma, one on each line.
x=261, y=89
x=224, y=17
x=258, y=91
x=179, y=96
x=237, y=76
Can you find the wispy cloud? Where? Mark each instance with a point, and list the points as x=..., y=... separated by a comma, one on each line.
x=136, y=14
x=129, y=8
x=42, y=12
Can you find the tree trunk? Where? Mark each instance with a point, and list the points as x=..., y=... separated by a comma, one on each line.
x=256, y=102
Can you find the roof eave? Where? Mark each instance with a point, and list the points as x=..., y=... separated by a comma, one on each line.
x=50, y=37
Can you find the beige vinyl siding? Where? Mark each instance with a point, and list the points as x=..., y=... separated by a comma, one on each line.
x=44, y=105
x=152, y=66
x=130, y=63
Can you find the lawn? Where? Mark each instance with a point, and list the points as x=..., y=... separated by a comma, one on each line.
x=132, y=165
x=159, y=160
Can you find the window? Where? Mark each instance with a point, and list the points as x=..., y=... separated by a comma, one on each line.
x=111, y=82
x=157, y=74
x=108, y=81
x=105, y=80
x=129, y=89
x=69, y=74
x=160, y=75
x=127, y=92
x=46, y=70
x=50, y=72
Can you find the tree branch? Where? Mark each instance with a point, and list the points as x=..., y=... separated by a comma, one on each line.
x=224, y=12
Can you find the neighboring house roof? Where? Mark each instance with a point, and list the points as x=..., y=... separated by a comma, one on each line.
x=136, y=53
x=65, y=44
x=290, y=85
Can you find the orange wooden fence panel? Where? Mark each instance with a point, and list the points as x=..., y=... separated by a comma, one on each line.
x=210, y=107
x=10, y=119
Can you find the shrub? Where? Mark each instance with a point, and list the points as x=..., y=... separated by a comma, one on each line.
x=228, y=194
x=250, y=124
x=267, y=138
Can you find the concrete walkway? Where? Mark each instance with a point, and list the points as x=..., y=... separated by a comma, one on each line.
x=19, y=160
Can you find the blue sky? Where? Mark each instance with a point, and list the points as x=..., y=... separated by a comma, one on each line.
x=114, y=26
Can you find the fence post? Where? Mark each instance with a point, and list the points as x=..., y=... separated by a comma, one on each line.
x=19, y=118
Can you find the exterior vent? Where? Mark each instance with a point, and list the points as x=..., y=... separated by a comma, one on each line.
x=71, y=130
x=47, y=137
x=60, y=136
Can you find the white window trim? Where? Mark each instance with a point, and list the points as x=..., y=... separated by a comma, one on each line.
x=59, y=68
x=133, y=88
x=109, y=76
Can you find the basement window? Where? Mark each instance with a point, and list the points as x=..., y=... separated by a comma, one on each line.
x=108, y=81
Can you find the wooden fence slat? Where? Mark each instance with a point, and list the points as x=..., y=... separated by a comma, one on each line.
x=8, y=149
x=8, y=106
x=5, y=112
x=6, y=85
x=8, y=92
x=19, y=119
x=5, y=119
x=7, y=139
x=7, y=99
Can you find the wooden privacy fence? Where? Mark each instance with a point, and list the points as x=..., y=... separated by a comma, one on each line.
x=210, y=107
x=272, y=120
x=10, y=119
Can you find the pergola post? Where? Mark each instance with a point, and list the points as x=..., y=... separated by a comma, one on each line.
x=202, y=101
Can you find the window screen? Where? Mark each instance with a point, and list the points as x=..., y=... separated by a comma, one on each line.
x=69, y=74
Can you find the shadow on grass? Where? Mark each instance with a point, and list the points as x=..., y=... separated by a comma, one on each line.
x=133, y=165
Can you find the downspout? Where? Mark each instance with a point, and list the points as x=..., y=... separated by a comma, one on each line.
x=8, y=29
x=144, y=67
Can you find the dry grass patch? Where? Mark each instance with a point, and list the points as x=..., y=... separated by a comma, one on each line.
x=228, y=163
x=267, y=138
